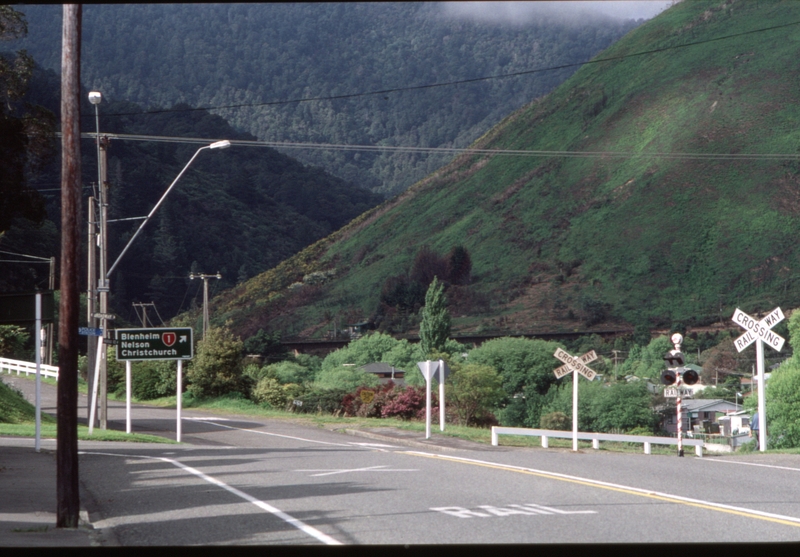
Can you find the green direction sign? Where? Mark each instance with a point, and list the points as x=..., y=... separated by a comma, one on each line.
x=154, y=344
x=21, y=308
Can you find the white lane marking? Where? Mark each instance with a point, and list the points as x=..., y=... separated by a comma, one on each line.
x=755, y=464
x=300, y=525
x=333, y=471
x=752, y=513
x=378, y=445
x=208, y=421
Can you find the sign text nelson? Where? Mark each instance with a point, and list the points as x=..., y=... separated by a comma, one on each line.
x=154, y=344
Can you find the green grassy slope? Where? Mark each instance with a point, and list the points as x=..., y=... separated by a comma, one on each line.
x=558, y=241
x=13, y=408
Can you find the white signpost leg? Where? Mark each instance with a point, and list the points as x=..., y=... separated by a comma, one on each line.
x=180, y=372
x=428, y=400
x=100, y=355
x=574, y=409
x=762, y=407
x=38, y=441
x=127, y=396
x=441, y=397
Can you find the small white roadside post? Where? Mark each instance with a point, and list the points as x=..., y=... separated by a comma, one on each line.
x=576, y=366
x=428, y=369
x=441, y=373
x=759, y=332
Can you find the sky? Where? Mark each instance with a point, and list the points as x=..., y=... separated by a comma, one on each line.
x=522, y=12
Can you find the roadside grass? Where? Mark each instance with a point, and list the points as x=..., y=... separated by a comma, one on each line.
x=49, y=431
x=17, y=419
x=236, y=405
x=240, y=406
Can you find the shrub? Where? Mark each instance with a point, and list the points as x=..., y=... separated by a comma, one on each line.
x=555, y=420
x=322, y=401
x=357, y=404
x=271, y=392
x=474, y=389
x=407, y=403
x=151, y=380
x=217, y=367
x=346, y=378
x=13, y=339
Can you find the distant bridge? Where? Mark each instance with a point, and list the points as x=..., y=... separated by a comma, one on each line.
x=322, y=347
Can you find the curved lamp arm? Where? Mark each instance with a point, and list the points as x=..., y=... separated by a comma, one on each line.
x=216, y=145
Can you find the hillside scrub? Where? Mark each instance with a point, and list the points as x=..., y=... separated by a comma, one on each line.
x=680, y=208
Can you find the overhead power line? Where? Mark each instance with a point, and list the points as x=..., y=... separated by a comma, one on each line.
x=462, y=81
x=452, y=150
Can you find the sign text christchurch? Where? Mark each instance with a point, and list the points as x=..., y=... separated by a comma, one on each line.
x=154, y=344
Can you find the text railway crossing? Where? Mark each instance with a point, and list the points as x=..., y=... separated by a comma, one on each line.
x=758, y=330
x=576, y=366
x=760, y=333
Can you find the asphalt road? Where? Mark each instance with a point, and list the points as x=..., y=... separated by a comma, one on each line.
x=245, y=481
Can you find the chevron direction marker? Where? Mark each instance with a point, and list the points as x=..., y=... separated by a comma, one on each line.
x=577, y=364
x=758, y=330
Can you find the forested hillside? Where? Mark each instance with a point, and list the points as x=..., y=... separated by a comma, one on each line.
x=261, y=58
x=238, y=211
x=658, y=188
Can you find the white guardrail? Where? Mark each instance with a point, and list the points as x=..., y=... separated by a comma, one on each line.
x=545, y=434
x=28, y=368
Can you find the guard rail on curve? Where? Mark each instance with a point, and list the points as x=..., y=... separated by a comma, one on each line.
x=27, y=368
x=545, y=434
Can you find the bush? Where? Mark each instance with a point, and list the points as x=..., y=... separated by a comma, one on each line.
x=217, y=367
x=13, y=339
x=346, y=378
x=555, y=420
x=358, y=404
x=322, y=401
x=407, y=403
x=151, y=380
x=475, y=390
x=270, y=391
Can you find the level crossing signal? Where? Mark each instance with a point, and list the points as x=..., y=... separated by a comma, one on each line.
x=675, y=360
x=688, y=376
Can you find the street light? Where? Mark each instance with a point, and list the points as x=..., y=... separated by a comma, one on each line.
x=97, y=357
x=216, y=145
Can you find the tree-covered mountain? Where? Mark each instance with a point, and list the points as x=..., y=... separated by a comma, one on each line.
x=659, y=187
x=238, y=211
x=260, y=58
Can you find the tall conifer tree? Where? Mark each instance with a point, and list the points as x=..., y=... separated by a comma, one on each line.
x=434, y=329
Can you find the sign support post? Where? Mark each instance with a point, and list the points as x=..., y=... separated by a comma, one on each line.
x=759, y=332
x=127, y=396
x=429, y=370
x=155, y=344
x=576, y=366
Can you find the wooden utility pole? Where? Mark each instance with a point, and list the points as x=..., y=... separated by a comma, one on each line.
x=67, y=495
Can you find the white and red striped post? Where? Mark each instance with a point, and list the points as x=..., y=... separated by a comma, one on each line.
x=680, y=416
x=676, y=340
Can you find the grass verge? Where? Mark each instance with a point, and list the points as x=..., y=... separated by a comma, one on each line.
x=49, y=432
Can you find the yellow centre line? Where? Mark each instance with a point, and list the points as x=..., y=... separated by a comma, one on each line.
x=719, y=507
